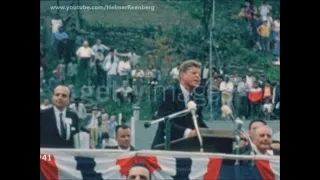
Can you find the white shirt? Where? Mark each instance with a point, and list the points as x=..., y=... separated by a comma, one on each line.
x=56, y=24
x=175, y=73
x=140, y=74
x=82, y=140
x=226, y=87
x=111, y=68
x=186, y=95
x=85, y=52
x=81, y=112
x=264, y=9
x=102, y=47
x=57, y=115
x=205, y=74
x=250, y=81
x=42, y=106
x=128, y=149
x=109, y=142
x=124, y=91
x=124, y=68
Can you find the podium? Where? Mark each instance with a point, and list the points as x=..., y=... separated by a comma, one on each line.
x=215, y=141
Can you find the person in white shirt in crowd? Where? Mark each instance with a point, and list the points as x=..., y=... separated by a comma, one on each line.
x=112, y=124
x=174, y=73
x=100, y=46
x=151, y=75
x=137, y=80
x=125, y=93
x=110, y=65
x=84, y=53
x=124, y=69
x=107, y=141
x=205, y=74
x=250, y=79
x=72, y=71
x=264, y=9
x=97, y=73
x=226, y=88
x=92, y=127
x=79, y=108
x=267, y=108
x=56, y=23
x=133, y=57
x=45, y=104
x=242, y=106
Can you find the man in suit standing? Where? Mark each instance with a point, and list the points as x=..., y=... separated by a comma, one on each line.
x=123, y=138
x=176, y=98
x=58, y=125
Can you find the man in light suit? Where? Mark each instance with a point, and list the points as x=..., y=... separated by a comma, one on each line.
x=58, y=124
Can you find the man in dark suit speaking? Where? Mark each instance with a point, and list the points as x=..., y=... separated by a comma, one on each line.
x=175, y=99
x=57, y=124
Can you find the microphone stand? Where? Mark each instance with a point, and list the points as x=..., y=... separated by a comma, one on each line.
x=167, y=121
x=167, y=132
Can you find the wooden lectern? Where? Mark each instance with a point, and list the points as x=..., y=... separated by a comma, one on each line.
x=217, y=141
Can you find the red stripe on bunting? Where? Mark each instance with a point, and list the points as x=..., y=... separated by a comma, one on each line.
x=213, y=168
x=265, y=169
x=48, y=167
x=126, y=163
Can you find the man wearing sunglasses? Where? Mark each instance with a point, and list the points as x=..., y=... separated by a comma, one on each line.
x=58, y=124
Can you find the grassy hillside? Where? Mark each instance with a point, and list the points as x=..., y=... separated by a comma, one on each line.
x=181, y=36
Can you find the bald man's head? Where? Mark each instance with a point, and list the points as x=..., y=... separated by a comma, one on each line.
x=262, y=138
x=61, y=97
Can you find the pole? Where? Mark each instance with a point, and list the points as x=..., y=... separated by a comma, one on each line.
x=210, y=56
x=133, y=129
x=167, y=137
x=120, y=118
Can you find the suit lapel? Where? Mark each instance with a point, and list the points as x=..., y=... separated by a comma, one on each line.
x=179, y=98
x=53, y=122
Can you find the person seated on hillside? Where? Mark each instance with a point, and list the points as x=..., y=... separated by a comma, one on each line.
x=125, y=93
x=123, y=138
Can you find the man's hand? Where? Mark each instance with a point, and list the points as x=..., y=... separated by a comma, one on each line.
x=192, y=133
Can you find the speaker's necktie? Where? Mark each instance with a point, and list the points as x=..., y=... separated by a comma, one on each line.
x=62, y=127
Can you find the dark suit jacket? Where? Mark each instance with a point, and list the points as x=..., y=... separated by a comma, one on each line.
x=170, y=102
x=117, y=147
x=49, y=133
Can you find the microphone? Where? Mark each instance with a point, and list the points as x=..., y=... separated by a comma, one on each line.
x=193, y=106
x=238, y=126
x=227, y=111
